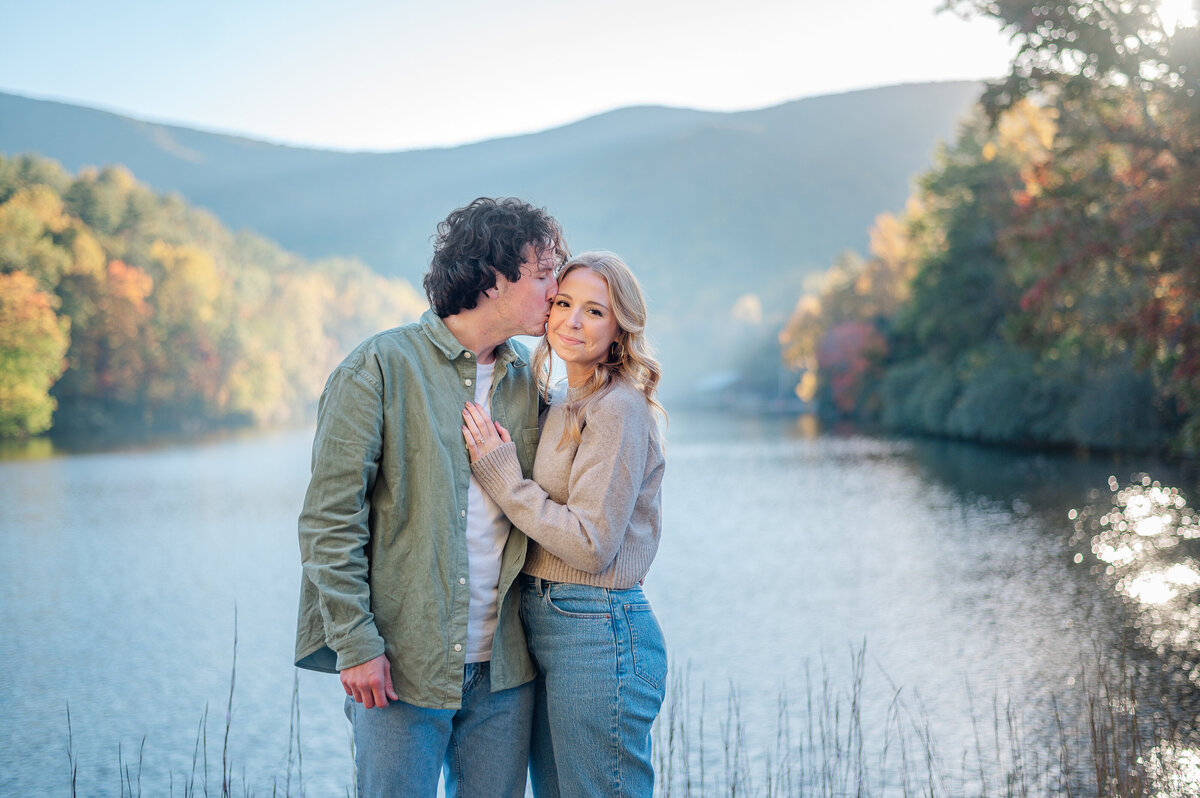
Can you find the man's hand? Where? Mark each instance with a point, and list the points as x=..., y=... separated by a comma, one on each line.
x=370, y=683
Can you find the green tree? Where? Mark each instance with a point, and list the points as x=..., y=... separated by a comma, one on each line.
x=1087, y=49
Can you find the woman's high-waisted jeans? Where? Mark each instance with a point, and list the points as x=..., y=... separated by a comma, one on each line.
x=602, y=672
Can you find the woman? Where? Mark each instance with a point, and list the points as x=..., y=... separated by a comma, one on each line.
x=592, y=513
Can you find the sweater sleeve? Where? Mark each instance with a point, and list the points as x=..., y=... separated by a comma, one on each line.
x=606, y=478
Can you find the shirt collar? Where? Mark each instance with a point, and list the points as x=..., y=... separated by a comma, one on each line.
x=437, y=332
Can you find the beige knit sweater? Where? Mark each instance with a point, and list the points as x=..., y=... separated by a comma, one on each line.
x=592, y=510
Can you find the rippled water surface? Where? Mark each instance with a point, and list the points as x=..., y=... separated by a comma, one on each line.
x=962, y=579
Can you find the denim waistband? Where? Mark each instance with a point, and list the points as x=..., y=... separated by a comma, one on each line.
x=536, y=583
x=539, y=585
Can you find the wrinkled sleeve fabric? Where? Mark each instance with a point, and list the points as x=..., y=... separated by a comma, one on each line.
x=333, y=525
x=606, y=477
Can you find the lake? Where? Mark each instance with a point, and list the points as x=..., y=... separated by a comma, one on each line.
x=926, y=588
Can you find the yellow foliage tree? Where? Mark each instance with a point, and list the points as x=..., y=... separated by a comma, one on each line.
x=33, y=342
x=29, y=222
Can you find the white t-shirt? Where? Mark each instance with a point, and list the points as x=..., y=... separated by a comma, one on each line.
x=487, y=531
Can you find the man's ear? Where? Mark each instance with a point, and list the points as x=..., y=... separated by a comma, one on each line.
x=492, y=292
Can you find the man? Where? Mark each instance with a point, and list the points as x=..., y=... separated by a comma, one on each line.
x=408, y=565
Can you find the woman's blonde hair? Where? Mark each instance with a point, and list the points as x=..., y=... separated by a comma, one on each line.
x=630, y=357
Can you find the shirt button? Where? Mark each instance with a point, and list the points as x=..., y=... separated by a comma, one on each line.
x=458, y=646
x=468, y=354
x=462, y=580
x=463, y=513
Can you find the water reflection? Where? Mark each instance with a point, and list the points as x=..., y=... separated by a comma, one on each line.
x=782, y=543
x=1144, y=541
x=32, y=449
x=1173, y=771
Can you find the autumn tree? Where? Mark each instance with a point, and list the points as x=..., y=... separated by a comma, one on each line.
x=836, y=333
x=173, y=320
x=1054, y=258
x=27, y=170
x=1085, y=50
x=1114, y=226
x=33, y=340
x=31, y=221
x=110, y=344
x=952, y=346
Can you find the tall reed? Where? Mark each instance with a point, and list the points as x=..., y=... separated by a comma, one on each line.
x=1111, y=748
x=1106, y=746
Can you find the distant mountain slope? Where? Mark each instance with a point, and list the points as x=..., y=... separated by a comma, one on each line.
x=705, y=206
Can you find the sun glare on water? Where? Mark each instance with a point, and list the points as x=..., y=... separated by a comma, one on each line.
x=1177, y=14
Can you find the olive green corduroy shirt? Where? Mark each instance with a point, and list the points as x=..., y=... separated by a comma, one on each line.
x=383, y=528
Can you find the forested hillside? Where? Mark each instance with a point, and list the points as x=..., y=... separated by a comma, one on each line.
x=124, y=309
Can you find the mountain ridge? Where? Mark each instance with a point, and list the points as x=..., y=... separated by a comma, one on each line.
x=707, y=207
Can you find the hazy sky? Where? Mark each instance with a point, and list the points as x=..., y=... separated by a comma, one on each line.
x=378, y=74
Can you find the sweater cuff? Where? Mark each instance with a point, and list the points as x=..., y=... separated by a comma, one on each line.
x=499, y=470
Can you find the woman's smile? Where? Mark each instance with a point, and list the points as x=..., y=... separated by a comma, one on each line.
x=582, y=325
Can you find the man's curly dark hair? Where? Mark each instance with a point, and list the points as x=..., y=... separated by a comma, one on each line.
x=481, y=240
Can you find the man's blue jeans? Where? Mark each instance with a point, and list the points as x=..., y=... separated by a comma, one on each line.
x=602, y=665
x=400, y=749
